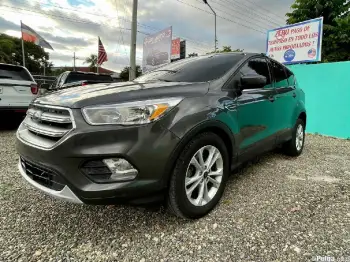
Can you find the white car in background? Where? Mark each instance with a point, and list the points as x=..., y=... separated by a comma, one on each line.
x=17, y=88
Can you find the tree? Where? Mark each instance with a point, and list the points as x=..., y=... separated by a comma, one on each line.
x=92, y=60
x=192, y=55
x=226, y=49
x=124, y=74
x=35, y=56
x=57, y=72
x=336, y=45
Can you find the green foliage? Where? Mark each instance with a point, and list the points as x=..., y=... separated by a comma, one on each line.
x=124, y=74
x=11, y=53
x=57, y=72
x=336, y=25
x=192, y=55
x=92, y=61
x=226, y=49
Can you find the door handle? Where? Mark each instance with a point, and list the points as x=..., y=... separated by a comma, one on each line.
x=272, y=98
x=294, y=95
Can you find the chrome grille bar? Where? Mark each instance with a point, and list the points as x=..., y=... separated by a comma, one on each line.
x=44, y=126
x=43, y=129
x=50, y=117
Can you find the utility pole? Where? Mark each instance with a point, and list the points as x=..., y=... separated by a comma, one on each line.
x=132, y=70
x=206, y=2
x=24, y=58
x=74, y=61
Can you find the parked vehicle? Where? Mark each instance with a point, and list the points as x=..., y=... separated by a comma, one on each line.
x=17, y=88
x=74, y=78
x=174, y=133
x=157, y=58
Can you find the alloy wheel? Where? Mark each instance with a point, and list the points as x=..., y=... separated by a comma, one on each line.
x=299, y=138
x=204, y=175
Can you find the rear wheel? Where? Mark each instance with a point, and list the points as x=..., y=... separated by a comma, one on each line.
x=199, y=177
x=295, y=146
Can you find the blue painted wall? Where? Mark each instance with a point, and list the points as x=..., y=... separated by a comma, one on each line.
x=327, y=97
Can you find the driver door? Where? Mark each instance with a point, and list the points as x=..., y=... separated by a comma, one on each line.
x=256, y=111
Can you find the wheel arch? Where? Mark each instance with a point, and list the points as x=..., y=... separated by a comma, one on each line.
x=303, y=117
x=216, y=127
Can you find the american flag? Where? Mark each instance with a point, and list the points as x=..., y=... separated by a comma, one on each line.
x=102, y=55
x=311, y=53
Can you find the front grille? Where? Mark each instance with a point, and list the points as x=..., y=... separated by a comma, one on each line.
x=41, y=176
x=46, y=125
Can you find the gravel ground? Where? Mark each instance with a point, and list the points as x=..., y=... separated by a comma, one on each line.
x=279, y=209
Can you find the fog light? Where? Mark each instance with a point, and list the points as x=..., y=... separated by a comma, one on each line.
x=120, y=168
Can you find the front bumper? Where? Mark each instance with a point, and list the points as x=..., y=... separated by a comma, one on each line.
x=64, y=194
x=148, y=148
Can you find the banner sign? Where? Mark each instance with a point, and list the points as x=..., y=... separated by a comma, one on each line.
x=297, y=43
x=157, y=50
x=175, y=48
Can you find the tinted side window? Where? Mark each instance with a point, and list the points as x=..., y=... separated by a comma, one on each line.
x=257, y=66
x=75, y=77
x=14, y=73
x=279, y=75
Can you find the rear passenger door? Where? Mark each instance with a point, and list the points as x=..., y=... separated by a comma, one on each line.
x=286, y=101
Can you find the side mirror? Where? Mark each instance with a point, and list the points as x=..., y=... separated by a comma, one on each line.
x=253, y=81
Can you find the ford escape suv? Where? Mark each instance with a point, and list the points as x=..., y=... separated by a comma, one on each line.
x=174, y=133
x=17, y=88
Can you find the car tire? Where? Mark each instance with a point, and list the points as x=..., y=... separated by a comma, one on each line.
x=189, y=207
x=295, y=146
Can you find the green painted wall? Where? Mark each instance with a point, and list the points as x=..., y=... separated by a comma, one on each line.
x=327, y=97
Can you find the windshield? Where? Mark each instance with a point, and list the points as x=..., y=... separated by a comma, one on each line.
x=196, y=69
x=14, y=73
x=81, y=77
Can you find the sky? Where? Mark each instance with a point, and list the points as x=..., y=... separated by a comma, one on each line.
x=74, y=25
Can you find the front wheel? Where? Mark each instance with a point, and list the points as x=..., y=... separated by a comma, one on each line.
x=295, y=146
x=199, y=177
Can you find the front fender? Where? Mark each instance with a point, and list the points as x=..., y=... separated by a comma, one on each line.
x=197, y=115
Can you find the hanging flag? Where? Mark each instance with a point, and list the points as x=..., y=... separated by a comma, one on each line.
x=29, y=35
x=102, y=55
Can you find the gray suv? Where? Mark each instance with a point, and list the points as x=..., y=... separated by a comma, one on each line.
x=173, y=134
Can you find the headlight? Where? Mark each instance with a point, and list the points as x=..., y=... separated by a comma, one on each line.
x=131, y=113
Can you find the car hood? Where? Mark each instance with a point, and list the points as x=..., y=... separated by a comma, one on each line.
x=81, y=96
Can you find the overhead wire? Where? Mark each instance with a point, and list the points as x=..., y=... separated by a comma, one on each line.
x=237, y=11
x=121, y=18
x=224, y=18
x=198, y=45
x=263, y=8
x=248, y=13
